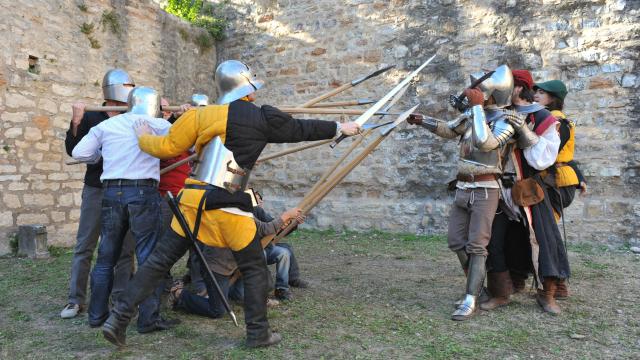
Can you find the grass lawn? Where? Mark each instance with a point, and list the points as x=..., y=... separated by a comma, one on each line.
x=372, y=295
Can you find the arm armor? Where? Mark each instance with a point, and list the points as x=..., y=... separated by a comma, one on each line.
x=486, y=138
x=446, y=129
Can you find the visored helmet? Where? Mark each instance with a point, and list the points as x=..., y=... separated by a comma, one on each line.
x=113, y=85
x=144, y=100
x=499, y=84
x=199, y=100
x=235, y=80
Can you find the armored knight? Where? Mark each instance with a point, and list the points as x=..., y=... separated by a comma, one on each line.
x=484, y=131
x=229, y=138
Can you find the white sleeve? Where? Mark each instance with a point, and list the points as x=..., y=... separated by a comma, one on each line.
x=544, y=153
x=88, y=149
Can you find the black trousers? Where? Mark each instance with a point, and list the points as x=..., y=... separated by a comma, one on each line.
x=509, y=247
x=170, y=249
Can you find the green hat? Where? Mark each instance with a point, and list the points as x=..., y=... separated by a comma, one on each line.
x=555, y=87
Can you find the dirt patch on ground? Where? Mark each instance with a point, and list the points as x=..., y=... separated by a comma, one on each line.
x=372, y=295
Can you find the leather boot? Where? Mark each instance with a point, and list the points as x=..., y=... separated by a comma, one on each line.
x=562, y=291
x=252, y=265
x=114, y=329
x=545, y=297
x=475, y=280
x=518, y=281
x=500, y=287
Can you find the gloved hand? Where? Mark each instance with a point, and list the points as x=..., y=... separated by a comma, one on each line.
x=475, y=96
x=415, y=119
x=516, y=120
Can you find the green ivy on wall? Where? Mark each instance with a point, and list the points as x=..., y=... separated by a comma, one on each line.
x=200, y=13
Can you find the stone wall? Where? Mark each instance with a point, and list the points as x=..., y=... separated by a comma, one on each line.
x=305, y=47
x=47, y=63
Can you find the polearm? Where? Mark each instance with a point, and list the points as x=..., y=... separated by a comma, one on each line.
x=288, y=110
x=378, y=105
x=342, y=103
x=173, y=204
x=123, y=108
x=312, y=199
x=346, y=86
x=357, y=142
x=335, y=104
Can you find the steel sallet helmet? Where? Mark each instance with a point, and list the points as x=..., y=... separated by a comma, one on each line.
x=499, y=84
x=235, y=80
x=144, y=100
x=199, y=100
x=113, y=85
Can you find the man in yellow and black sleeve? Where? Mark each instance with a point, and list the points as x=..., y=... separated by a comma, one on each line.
x=229, y=138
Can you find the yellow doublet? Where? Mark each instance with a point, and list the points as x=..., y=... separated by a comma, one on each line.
x=198, y=126
x=565, y=175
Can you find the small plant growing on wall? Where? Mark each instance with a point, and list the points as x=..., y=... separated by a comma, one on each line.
x=111, y=20
x=83, y=7
x=87, y=29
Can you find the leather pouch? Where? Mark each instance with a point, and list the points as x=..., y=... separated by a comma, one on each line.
x=527, y=192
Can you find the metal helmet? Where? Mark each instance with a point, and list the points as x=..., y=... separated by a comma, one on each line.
x=144, y=100
x=234, y=80
x=499, y=84
x=113, y=85
x=199, y=100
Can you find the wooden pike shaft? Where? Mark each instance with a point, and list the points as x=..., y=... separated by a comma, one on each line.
x=341, y=103
x=178, y=163
x=329, y=94
x=123, y=108
x=292, y=150
x=289, y=110
x=333, y=167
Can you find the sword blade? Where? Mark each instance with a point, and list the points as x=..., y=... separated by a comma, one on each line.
x=377, y=106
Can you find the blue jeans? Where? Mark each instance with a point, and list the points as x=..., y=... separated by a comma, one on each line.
x=213, y=306
x=125, y=208
x=281, y=256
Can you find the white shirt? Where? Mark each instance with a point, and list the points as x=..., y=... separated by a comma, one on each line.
x=544, y=153
x=116, y=142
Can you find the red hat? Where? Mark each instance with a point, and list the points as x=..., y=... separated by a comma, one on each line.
x=522, y=78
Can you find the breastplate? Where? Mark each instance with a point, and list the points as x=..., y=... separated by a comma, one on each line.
x=469, y=153
x=216, y=166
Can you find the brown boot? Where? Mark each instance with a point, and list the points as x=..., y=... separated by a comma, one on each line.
x=562, y=291
x=500, y=288
x=519, y=282
x=545, y=297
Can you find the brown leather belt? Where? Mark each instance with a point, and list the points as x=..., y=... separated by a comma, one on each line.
x=476, y=178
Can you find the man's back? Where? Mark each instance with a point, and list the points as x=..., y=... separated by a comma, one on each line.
x=122, y=158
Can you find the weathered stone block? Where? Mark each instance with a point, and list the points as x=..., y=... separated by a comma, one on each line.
x=12, y=201
x=41, y=121
x=32, y=134
x=32, y=241
x=12, y=133
x=15, y=100
x=6, y=219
